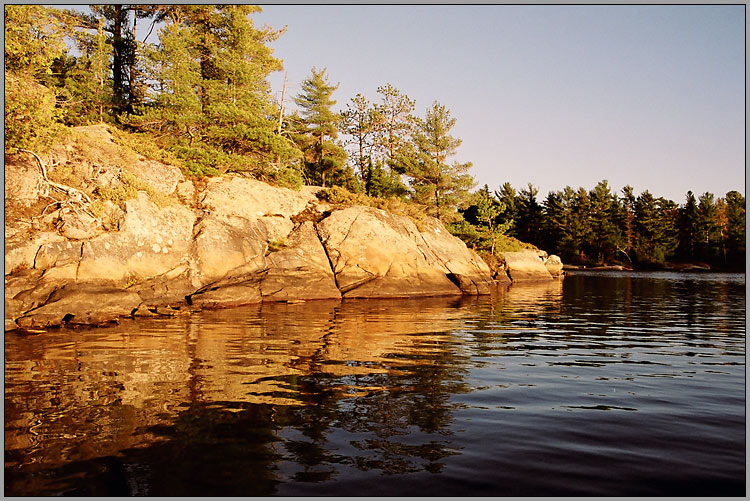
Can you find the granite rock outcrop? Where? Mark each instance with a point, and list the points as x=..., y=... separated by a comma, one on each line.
x=179, y=244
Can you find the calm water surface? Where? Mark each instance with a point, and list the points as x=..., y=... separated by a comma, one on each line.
x=601, y=384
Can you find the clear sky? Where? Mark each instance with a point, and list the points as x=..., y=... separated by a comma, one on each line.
x=651, y=96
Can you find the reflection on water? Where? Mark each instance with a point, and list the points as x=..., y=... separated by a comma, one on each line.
x=593, y=385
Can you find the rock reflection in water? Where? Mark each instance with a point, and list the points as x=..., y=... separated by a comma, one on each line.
x=233, y=401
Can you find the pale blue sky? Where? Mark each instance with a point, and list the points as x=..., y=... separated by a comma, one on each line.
x=651, y=96
x=554, y=95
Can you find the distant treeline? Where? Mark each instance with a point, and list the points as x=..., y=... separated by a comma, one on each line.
x=600, y=226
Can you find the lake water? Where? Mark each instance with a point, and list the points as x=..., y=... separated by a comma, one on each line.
x=599, y=384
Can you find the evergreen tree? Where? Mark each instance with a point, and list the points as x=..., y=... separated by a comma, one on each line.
x=688, y=228
x=396, y=121
x=709, y=230
x=508, y=197
x=322, y=155
x=558, y=224
x=437, y=184
x=529, y=223
x=83, y=83
x=488, y=211
x=384, y=182
x=735, y=229
x=604, y=217
x=116, y=22
x=177, y=109
x=581, y=231
x=361, y=121
x=212, y=100
x=656, y=229
x=34, y=38
x=628, y=222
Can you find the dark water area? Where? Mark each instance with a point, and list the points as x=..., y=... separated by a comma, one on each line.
x=599, y=384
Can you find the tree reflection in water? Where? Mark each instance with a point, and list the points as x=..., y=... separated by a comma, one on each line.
x=234, y=402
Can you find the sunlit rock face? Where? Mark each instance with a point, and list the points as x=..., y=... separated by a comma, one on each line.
x=228, y=241
x=151, y=241
x=377, y=254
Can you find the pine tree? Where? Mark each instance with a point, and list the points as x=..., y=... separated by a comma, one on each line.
x=437, y=184
x=688, y=228
x=116, y=22
x=628, y=221
x=581, y=230
x=508, y=197
x=361, y=121
x=735, y=229
x=529, y=223
x=34, y=38
x=557, y=223
x=709, y=230
x=322, y=155
x=604, y=217
x=394, y=112
x=212, y=101
x=656, y=228
x=488, y=209
x=177, y=109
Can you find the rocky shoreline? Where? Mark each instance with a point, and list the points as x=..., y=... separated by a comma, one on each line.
x=181, y=245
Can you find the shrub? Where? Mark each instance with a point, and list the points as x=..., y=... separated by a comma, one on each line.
x=30, y=115
x=128, y=189
x=146, y=146
x=288, y=177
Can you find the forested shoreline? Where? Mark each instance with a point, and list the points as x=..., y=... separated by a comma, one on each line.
x=598, y=226
x=199, y=99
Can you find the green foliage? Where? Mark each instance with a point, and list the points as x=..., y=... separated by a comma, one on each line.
x=342, y=196
x=395, y=121
x=734, y=234
x=378, y=133
x=288, y=177
x=470, y=234
x=437, y=184
x=275, y=246
x=528, y=215
x=361, y=122
x=211, y=66
x=484, y=213
x=30, y=114
x=97, y=208
x=34, y=37
x=127, y=189
x=144, y=145
x=597, y=227
x=385, y=183
x=88, y=100
x=317, y=130
x=480, y=240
